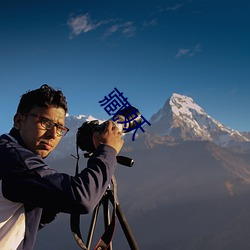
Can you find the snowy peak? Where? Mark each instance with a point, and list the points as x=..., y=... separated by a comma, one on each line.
x=184, y=105
x=182, y=119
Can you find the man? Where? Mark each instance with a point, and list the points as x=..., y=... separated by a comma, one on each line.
x=28, y=187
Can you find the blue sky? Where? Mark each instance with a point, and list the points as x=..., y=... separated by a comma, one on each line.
x=146, y=49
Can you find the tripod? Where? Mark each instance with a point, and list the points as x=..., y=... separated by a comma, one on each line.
x=105, y=242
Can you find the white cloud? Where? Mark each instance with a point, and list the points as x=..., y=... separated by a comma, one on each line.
x=83, y=24
x=127, y=29
x=182, y=52
x=189, y=52
x=150, y=23
x=174, y=7
x=197, y=49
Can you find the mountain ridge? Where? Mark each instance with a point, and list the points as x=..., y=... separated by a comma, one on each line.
x=183, y=119
x=180, y=119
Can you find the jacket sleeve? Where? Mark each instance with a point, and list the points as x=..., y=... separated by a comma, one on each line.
x=32, y=182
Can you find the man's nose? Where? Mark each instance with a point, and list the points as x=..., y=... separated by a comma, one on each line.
x=52, y=132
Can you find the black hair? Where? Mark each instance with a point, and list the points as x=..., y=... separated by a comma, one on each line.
x=45, y=96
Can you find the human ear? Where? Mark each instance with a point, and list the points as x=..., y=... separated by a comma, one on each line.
x=18, y=118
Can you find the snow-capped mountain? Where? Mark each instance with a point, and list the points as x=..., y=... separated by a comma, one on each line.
x=182, y=119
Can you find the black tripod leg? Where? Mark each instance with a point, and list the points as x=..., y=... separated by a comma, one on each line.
x=106, y=214
x=123, y=222
x=92, y=226
x=126, y=229
x=106, y=240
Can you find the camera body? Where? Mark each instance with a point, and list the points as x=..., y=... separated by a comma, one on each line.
x=126, y=120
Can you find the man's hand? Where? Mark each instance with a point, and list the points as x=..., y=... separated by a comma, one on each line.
x=110, y=136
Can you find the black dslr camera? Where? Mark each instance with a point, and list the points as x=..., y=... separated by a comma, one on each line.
x=126, y=120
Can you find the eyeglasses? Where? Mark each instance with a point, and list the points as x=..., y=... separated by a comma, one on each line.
x=49, y=124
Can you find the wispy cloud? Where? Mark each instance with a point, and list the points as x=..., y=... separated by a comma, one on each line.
x=127, y=29
x=150, y=23
x=83, y=24
x=182, y=52
x=174, y=7
x=189, y=51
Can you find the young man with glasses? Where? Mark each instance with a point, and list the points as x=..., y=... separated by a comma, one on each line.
x=30, y=192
